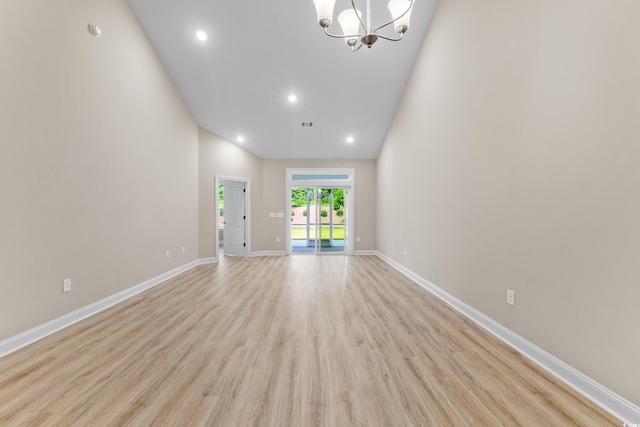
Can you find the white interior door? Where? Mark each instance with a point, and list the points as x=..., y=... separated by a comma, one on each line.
x=234, y=218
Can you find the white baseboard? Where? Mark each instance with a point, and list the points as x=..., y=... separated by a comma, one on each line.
x=212, y=260
x=268, y=253
x=374, y=253
x=32, y=335
x=600, y=395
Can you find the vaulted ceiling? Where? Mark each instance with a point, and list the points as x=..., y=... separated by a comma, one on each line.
x=237, y=82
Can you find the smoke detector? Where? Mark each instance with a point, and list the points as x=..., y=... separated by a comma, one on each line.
x=94, y=30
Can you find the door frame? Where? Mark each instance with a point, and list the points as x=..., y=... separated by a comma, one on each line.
x=219, y=179
x=335, y=178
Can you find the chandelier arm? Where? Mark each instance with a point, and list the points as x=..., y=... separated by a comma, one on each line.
x=353, y=3
x=336, y=36
x=392, y=21
x=355, y=49
x=389, y=38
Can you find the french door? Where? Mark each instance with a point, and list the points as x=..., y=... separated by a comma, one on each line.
x=319, y=219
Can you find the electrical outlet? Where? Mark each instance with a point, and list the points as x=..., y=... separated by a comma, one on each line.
x=167, y=255
x=511, y=297
x=277, y=240
x=358, y=239
x=66, y=285
x=183, y=250
x=405, y=251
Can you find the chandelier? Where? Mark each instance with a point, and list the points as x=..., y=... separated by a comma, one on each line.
x=355, y=31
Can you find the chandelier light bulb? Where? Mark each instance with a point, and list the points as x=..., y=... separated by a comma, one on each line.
x=350, y=24
x=397, y=9
x=324, y=9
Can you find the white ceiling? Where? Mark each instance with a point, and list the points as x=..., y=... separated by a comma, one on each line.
x=258, y=52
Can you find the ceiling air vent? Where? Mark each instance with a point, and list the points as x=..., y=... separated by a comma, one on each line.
x=307, y=124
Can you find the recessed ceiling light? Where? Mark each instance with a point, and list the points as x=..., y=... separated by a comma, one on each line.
x=293, y=98
x=201, y=35
x=350, y=140
x=240, y=138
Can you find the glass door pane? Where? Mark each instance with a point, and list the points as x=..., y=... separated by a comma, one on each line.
x=311, y=220
x=341, y=213
x=332, y=220
x=303, y=220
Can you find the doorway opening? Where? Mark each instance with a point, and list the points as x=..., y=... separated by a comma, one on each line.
x=233, y=209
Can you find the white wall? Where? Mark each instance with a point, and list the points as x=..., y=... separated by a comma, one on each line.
x=515, y=151
x=98, y=160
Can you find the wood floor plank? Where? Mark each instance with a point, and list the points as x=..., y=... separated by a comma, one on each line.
x=283, y=341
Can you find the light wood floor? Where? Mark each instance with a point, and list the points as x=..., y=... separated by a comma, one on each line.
x=283, y=341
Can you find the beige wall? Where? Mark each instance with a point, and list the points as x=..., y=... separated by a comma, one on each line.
x=98, y=160
x=515, y=149
x=222, y=158
x=268, y=193
x=275, y=199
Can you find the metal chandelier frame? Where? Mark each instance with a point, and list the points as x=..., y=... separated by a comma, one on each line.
x=368, y=37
